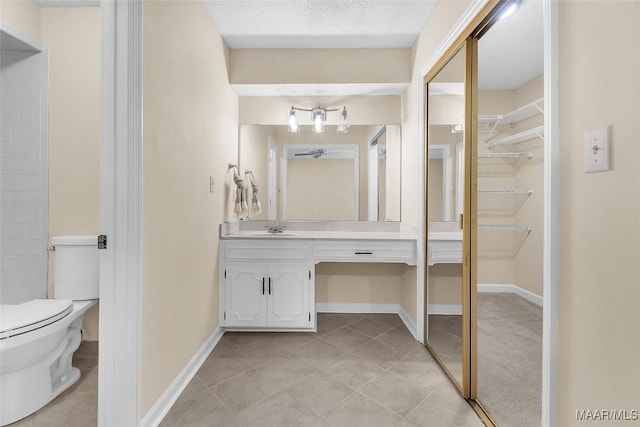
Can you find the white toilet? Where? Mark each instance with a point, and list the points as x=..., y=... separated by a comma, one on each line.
x=38, y=338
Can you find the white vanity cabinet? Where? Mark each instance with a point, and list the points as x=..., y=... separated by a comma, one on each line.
x=267, y=296
x=267, y=282
x=266, y=287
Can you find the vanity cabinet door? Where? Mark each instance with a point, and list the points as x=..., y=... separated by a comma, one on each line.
x=246, y=295
x=289, y=289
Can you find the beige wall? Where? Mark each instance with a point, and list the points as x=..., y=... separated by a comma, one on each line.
x=321, y=189
x=72, y=35
x=445, y=285
x=311, y=66
x=599, y=320
x=22, y=17
x=356, y=135
x=435, y=180
x=190, y=132
x=408, y=291
x=358, y=283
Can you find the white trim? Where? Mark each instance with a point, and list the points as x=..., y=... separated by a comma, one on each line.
x=551, y=229
x=408, y=322
x=272, y=189
x=120, y=214
x=472, y=11
x=353, y=148
x=372, y=175
x=159, y=410
x=43, y=57
x=339, y=307
x=446, y=309
x=510, y=289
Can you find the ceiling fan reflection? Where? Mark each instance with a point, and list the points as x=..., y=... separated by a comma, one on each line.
x=317, y=153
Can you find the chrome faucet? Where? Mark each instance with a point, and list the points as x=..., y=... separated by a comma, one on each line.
x=275, y=228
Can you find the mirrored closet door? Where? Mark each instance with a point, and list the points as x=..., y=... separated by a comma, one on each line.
x=447, y=320
x=484, y=192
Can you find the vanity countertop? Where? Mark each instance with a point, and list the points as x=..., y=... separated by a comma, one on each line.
x=317, y=230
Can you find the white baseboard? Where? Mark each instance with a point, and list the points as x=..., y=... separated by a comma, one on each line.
x=513, y=289
x=337, y=307
x=448, y=309
x=409, y=323
x=162, y=406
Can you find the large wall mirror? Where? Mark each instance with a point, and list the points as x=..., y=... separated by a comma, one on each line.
x=325, y=176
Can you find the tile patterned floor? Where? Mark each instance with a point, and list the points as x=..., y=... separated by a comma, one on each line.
x=78, y=405
x=509, y=356
x=358, y=370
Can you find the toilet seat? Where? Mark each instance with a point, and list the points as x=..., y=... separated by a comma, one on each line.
x=21, y=318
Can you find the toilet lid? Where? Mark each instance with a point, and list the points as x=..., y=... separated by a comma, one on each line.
x=20, y=318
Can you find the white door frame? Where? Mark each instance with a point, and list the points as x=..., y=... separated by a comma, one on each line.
x=551, y=229
x=372, y=175
x=272, y=189
x=121, y=214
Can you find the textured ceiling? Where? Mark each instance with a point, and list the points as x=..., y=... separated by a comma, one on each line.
x=319, y=24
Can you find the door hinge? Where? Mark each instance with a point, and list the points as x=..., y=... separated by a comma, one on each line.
x=102, y=241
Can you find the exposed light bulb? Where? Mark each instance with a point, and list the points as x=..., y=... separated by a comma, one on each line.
x=343, y=125
x=510, y=10
x=319, y=116
x=292, y=125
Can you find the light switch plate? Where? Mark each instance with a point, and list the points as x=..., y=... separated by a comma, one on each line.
x=597, y=150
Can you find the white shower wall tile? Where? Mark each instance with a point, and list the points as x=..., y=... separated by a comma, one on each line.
x=24, y=176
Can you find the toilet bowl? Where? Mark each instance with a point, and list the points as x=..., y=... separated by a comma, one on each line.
x=38, y=337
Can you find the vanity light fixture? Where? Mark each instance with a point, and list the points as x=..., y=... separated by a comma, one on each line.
x=343, y=124
x=457, y=128
x=318, y=116
x=510, y=9
x=292, y=124
x=318, y=119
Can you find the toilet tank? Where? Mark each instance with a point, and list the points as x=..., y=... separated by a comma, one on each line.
x=76, y=271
